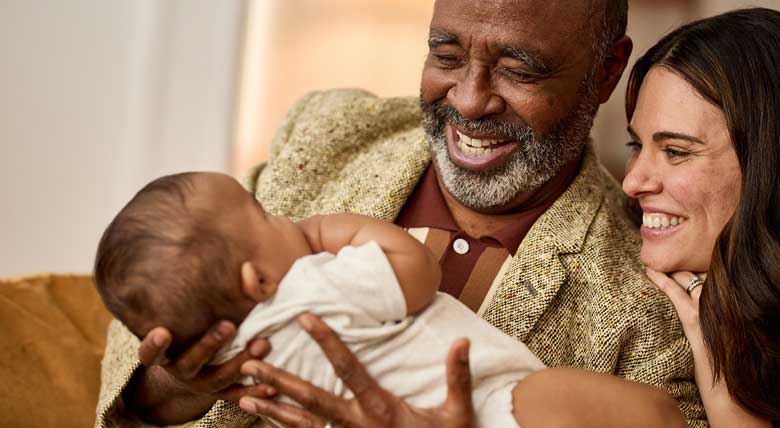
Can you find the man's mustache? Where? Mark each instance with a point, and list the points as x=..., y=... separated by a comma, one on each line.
x=443, y=113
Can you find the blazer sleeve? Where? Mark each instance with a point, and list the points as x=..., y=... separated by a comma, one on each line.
x=280, y=137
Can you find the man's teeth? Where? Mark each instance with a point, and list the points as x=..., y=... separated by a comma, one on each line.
x=475, y=145
x=661, y=221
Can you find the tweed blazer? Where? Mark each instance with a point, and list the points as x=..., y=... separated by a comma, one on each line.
x=575, y=292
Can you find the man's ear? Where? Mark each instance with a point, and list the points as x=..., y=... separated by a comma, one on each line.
x=614, y=65
x=253, y=285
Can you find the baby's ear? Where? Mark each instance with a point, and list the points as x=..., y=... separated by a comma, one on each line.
x=252, y=285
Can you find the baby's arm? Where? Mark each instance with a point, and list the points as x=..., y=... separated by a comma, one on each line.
x=414, y=265
x=565, y=397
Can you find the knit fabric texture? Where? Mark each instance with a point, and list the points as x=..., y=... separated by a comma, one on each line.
x=575, y=292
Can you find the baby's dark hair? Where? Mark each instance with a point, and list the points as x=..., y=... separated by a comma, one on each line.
x=163, y=262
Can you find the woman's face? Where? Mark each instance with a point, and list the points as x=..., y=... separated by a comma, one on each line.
x=683, y=171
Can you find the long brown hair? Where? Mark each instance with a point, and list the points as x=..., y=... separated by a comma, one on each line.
x=733, y=61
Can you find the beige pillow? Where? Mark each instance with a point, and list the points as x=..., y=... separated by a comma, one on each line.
x=52, y=335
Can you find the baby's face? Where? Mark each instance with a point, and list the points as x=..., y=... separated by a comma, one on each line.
x=275, y=241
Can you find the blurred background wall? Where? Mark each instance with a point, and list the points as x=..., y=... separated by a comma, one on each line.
x=101, y=96
x=96, y=98
x=302, y=45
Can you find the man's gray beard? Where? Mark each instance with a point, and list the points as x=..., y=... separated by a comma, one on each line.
x=538, y=159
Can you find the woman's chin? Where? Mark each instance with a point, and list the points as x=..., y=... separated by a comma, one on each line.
x=666, y=264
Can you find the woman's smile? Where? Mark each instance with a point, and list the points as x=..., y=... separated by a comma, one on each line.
x=683, y=172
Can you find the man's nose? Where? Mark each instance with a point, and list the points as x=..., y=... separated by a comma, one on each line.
x=642, y=177
x=473, y=95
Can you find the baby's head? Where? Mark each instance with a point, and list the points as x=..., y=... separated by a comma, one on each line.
x=173, y=256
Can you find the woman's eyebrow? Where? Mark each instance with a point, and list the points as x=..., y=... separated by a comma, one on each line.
x=668, y=135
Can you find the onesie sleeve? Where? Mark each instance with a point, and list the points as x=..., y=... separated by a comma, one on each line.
x=364, y=278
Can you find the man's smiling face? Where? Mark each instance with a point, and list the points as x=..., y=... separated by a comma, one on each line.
x=508, y=94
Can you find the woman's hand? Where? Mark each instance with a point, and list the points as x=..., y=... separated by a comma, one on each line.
x=372, y=407
x=722, y=410
x=172, y=392
x=675, y=287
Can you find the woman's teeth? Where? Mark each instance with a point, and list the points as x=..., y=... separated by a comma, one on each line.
x=476, y=146
x=660, y=221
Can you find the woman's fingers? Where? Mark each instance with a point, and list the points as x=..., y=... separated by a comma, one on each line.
x=188, y=365
x=670, y=287
x=686, y=307
x=346, y=365
x=290, y=416
x=153, y=346
x=312, y=398
x=683, y=279
x=459, y=379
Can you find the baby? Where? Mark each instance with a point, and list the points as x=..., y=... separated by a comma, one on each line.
x=194, y=248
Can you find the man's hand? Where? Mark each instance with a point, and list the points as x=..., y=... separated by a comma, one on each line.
x=372, y=407
x=170, y=392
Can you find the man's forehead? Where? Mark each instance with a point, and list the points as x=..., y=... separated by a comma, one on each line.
x=530, y=17
x=545, y=34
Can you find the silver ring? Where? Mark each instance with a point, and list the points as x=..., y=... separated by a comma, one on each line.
x=695, y=282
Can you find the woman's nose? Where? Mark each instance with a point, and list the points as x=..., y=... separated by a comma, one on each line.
x=642, y=177
x=473, y=96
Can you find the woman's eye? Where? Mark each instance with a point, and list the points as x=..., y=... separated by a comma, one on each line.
x=673, y=153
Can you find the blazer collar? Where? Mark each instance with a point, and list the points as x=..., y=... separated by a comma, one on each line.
x=564, y=226
x=536, y=273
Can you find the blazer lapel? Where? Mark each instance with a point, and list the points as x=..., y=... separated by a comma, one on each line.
x=536, y=273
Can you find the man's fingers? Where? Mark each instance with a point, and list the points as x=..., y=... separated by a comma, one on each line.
x=225, y=375
x=290, y=416
x=347, y=367
x=234, y=393
x=258, y=347
x=368, y=394
x=312, y=398
x=459, y=378
x=189, y=364
x=153, y=346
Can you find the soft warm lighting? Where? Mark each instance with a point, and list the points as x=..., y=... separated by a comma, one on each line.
x=294, y=47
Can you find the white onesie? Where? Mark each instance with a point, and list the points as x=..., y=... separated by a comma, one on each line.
x=357, y=294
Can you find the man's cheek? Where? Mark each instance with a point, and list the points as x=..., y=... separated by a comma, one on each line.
x=537, y=105
x=434, y=85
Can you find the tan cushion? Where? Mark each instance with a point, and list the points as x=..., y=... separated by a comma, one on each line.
x=52, y=335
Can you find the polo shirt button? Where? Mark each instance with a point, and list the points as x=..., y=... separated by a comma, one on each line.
x=461, y=246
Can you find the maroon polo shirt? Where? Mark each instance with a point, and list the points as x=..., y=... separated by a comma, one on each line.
x=471, y=265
